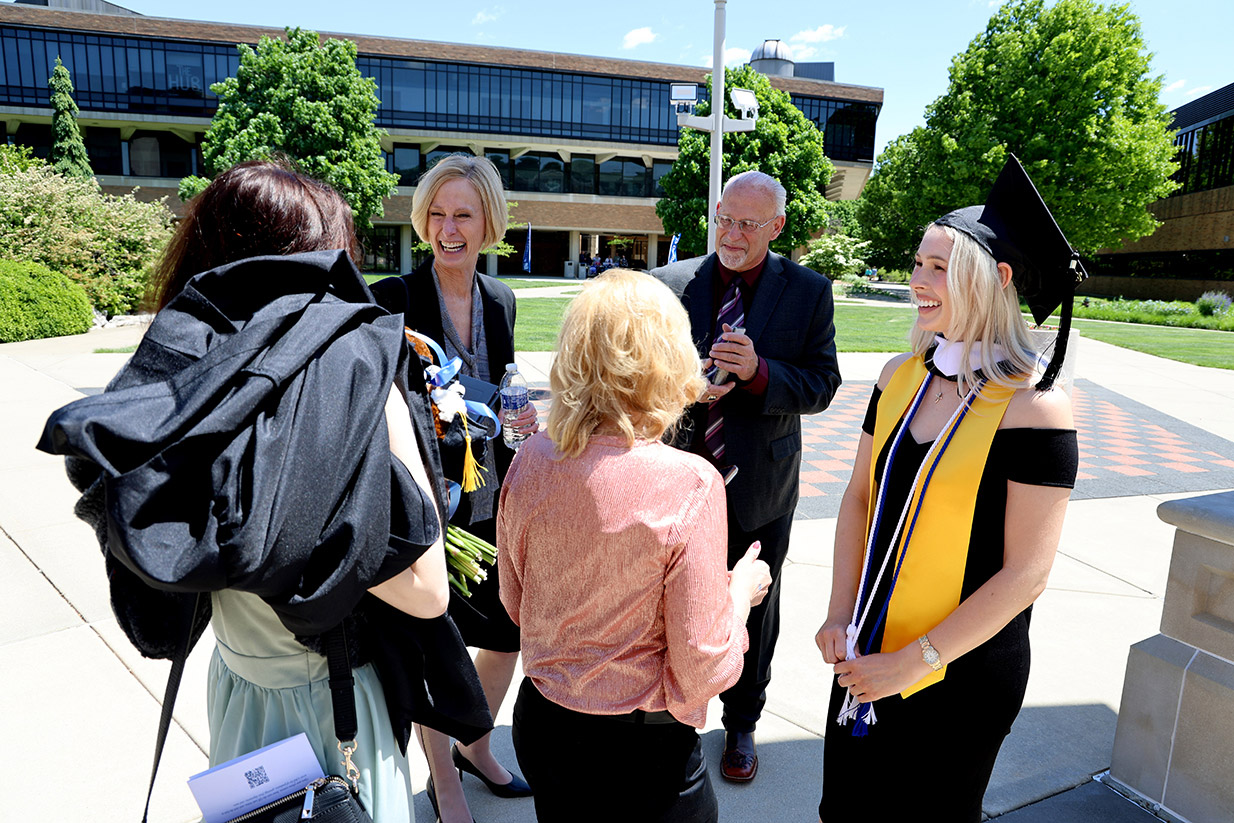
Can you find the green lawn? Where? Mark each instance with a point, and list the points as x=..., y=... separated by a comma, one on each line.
x=1202, y=347
x=523, y=283
x=873, y=328
x=512, y=282
x=539, y=318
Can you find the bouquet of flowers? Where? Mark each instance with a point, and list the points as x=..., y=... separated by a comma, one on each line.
x=466, y=554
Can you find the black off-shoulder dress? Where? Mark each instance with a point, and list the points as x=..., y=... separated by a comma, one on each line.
x=932, y=753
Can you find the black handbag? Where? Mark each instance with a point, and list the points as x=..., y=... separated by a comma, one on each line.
x=330, y=799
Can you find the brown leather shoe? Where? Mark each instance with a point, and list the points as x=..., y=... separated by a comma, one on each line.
x=739, y=762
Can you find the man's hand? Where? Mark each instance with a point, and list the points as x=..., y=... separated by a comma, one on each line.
x=714, y=392
x=734, y=352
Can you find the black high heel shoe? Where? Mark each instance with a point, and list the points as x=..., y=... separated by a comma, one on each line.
x=517, y=787
x=431, y=790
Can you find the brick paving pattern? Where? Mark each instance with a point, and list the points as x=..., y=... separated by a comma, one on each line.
x=1125, y=448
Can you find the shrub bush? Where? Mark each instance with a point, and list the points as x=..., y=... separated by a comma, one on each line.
x=1213, y=302
x=1153, y=312
x=834, y=255
x=37, y=302
x=105, y=243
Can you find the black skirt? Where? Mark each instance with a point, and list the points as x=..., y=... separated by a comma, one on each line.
x=575, y=763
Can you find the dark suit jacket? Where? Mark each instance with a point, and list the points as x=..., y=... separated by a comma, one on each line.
x=791, y=325
x=414, y=297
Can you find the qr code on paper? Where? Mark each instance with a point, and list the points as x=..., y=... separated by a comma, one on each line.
x=257, y=777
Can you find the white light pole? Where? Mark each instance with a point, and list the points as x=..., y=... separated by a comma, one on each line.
x=717, y=123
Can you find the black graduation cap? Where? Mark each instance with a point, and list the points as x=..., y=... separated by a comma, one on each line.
x=1015, y=226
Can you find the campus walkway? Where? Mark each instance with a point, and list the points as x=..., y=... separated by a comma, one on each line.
x=80, y=706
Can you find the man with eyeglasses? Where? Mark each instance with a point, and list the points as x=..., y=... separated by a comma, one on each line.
x=764, y=326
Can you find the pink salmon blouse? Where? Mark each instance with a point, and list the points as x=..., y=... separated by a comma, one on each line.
x=614, y=564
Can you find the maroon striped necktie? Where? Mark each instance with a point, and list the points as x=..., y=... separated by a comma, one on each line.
x=732, y=312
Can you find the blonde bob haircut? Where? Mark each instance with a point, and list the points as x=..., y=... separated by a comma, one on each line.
x=624, y=358
x=983, y=313
x=482, y=174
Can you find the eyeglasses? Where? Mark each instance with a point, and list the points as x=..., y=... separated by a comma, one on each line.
x=744, y=226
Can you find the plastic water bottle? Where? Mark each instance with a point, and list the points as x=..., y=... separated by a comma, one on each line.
x=514, y=398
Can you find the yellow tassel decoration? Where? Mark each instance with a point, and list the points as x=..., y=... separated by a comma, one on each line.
x=472, y=477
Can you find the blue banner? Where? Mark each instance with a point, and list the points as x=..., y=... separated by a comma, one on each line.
x=527, y=252
x=672, y=249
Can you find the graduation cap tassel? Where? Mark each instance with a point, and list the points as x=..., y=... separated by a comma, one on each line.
x=472, y=478
x=1060, y=342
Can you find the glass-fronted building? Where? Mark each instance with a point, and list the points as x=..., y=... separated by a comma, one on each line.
x=581, y=142
x=1195, y=242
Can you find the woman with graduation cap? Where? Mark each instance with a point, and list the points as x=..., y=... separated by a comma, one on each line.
x=949, y=525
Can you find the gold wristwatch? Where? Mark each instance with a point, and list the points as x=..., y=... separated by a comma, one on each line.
x=929, y=654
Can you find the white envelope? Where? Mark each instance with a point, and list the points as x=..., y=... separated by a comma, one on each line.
x=255, y=779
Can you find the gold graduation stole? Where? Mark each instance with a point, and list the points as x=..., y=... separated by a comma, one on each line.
x=932, y=574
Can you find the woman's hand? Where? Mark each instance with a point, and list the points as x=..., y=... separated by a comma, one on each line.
x=876, y=676
x=750, y=578
x=527, y=420
x=832, y=640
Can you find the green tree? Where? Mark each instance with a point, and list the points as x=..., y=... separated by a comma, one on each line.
x=842, y=217
x=783, y=144
x=307, y=99
x=888, y=215
x=1066, y=88
x=68, y=151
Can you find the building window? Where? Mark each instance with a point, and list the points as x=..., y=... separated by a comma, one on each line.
x=405, y=162
x=501, y=159
x=1205, y=157
x=659, y=168
x=160, y=154
x=380, y=248
x=103, y=149
x=582, y=174
x=552, y=174
x=35, y=135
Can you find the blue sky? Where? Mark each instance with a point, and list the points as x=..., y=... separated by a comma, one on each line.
x=902, y=46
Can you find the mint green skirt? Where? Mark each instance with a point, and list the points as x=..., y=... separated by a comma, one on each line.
x=264, y=686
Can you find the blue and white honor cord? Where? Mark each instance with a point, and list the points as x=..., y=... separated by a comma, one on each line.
x=862, y=714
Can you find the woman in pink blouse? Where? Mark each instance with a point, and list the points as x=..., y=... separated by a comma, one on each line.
x=613, y=563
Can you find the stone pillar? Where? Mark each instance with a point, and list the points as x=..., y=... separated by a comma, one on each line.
x=576, y=248
x=1174, y=744
x=406, y=237
x=653, y=250
x=490, y=265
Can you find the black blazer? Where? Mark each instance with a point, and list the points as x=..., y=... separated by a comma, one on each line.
x=791, y=325
x=414, y=296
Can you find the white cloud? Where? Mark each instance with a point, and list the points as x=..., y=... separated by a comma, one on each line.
x=802, y=53
x=822, y=34
x=638, y=37
x=487, y=15
x=1197, y=91
x=734, y=56
x=1175, y=86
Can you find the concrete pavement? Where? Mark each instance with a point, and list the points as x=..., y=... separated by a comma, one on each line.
x=81, y=706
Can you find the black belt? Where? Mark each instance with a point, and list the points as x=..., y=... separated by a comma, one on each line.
x=641, y=718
